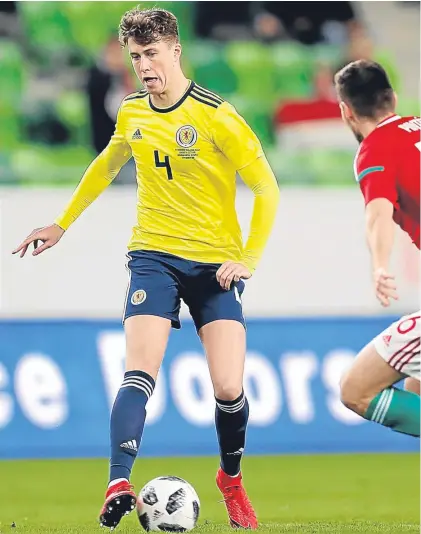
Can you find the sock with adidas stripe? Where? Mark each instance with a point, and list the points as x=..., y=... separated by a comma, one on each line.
x=231, y=422
x=397, y=409
x=127, y=421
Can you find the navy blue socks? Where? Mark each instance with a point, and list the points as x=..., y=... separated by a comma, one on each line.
x=127, y=421
x=231, y=422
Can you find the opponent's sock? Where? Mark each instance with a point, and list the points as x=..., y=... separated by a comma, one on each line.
x=397, y=409
x=231, y=421
x=127, y=422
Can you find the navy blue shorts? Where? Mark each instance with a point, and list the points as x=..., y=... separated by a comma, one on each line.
x=159, y=281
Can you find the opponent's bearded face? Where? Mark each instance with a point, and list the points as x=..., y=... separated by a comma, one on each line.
x=351, y=121
x=154, y=64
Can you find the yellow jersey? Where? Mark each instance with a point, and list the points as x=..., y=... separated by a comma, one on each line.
x=186, y=157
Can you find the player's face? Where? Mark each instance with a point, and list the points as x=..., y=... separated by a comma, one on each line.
x=154, y=63
x=351, y=120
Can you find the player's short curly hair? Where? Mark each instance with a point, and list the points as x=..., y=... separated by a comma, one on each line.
x=365, y=86
x=148, y=26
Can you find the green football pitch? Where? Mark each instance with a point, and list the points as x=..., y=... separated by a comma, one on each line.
x=301, y=494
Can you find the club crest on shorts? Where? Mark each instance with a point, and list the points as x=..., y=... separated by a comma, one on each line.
x=186, y=136
x=138, y=297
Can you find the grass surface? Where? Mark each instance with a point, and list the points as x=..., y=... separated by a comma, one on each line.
x=294, y=494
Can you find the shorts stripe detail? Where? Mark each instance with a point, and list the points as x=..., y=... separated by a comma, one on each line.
x=403, y=351
x=386, y=407
x=399, y=366
x=379, y=406
x=127, y=292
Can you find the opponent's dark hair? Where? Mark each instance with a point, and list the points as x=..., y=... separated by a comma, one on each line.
x=148, y=26
x=365, y=87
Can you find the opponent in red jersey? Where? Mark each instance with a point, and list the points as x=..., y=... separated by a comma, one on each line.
x=387, y=167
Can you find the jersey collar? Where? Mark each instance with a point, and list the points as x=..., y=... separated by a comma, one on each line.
x=176, y=105
x=393, y=118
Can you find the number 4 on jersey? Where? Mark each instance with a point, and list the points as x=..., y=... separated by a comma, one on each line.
x=163, y=164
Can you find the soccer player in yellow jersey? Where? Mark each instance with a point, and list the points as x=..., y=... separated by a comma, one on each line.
x=188, y=145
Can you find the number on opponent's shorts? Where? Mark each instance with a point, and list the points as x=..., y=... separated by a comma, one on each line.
x=163, y=164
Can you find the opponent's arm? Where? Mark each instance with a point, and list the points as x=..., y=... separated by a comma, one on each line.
x=377, y=183
x=380, y=231
x=95, y=180
x=233, y=136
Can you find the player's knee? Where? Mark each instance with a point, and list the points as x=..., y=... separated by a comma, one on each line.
x=146, y=341
x=412, y=385
x=228, y=392
x=351, y=396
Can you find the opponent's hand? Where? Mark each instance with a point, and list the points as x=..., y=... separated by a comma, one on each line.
x=385, y=287
x=231, y=271
x=49, y=236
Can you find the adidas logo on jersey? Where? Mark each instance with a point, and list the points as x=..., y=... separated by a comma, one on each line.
x=137, y=134
x=132, y=445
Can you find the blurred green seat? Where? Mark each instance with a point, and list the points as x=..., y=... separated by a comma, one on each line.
x=408, y=106
x=327, y=54
x=72, y=109
x=252, y=64
x=91, y=37
x=50, y=166
x=12, y=73
x=12, y=82
x=205, y=61
x=257, y=114
x=47, y=28
x=292, y=70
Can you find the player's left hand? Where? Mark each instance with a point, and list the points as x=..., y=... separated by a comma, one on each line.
x=385, y=287
x=231, y=271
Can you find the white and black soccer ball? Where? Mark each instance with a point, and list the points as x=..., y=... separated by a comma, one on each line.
x=168, y=504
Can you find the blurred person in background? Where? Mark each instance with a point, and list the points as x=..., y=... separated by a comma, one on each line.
x=228, y=23
x=306, y=22
x=361, y=46
x=9, y=20
x=109, y=80
x=315, y=122
x=314, y=22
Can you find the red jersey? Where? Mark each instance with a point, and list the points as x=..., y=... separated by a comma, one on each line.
x=387, y=165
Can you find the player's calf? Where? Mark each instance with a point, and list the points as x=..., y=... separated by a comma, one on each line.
x=127, y=421
x=231, y=419
x=412, y=385
x=353, y=397
x=367, y=389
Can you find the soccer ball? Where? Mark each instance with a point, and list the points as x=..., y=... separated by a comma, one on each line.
x=168, y=504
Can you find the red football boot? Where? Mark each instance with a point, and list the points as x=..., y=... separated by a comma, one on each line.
x=239, y=508
x=120, y=500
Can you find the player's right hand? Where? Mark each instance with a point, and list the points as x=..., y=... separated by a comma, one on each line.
x=49, y=236
x=385, y=287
